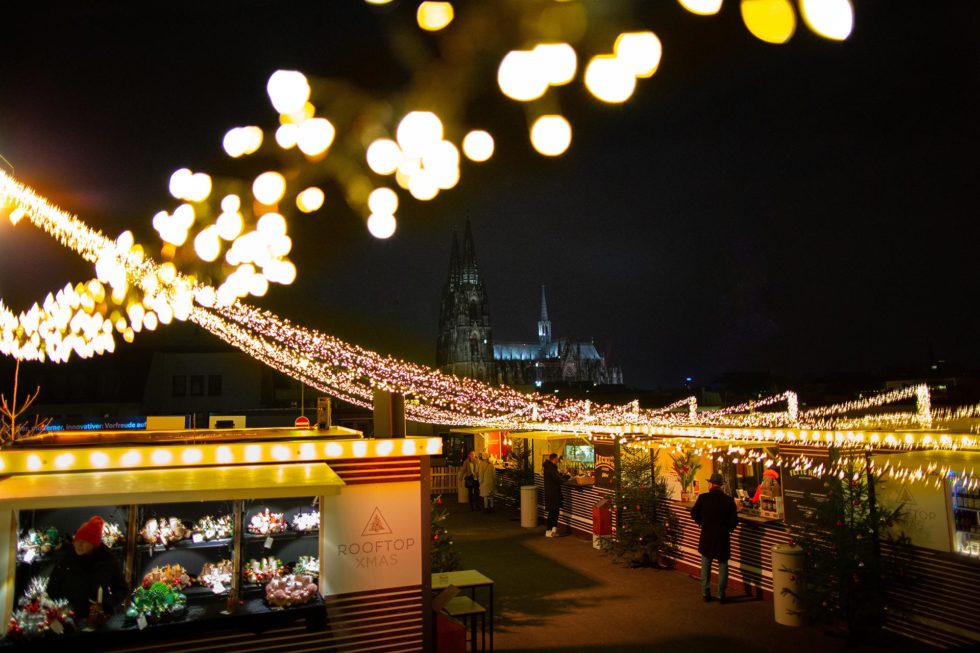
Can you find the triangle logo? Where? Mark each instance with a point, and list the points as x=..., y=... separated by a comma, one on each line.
x=907, y=497
x=376, y=525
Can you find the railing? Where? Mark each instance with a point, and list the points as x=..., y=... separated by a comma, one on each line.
x=444, y=480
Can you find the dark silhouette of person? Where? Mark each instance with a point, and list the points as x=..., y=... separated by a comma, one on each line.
x=717, y=515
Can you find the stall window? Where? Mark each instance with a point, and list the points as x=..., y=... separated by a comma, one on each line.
x=580, y=456
x=179, y=385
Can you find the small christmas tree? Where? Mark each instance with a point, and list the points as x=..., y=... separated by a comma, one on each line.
x=646, y=529
x=845, y=575
x=444, y=556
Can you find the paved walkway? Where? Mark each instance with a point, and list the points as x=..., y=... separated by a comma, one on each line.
x=560, y=594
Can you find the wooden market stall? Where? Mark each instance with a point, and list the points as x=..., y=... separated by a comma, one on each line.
x=351, y=511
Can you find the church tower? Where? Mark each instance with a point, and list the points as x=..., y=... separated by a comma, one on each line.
x=544, y=324
x=465, y=344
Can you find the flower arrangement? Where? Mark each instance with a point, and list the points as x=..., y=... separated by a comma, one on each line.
x=305, y=522
x=212, y=528
x=308, y=566
x=41, y=542
x=172, y=575
x=686, y=466
x=264, y=570
x=158, y=602
x=294, y=589
x=164, y=531
x=215, y=574
x=267, y=523
x=111, y=533
x=39, y=615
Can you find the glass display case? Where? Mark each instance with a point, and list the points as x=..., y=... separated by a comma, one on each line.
x=966, y=520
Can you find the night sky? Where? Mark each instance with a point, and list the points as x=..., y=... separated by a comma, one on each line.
x=798, y=209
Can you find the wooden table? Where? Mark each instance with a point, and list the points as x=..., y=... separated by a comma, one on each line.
x=469, y=579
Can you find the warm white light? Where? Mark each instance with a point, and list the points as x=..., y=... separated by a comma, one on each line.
x=64, y=460
x=287, y=135
x=383, y=156
x=315, y=136
x=131, y=458
x=383, y=201
x=161, y=457
x=434, y=16
x=240, y=141
x=640, y=52
x=229, y=225
x=280, y=452
x=191, y=456
x=288, y=90
x=33, y=462
x=253, y=453
x=207, y=243
x=701, y=7
x=334, y=450
x=521, y=76
x=310, y=200
x=832, y=19
x=98, y=459
x=558, y=61
x=231, y=203
x=269, y=187
x=418, y=131
x=271, y=224
x=551, y=135
x=223, y=455
x=609, y=79
x=423, y=185
x=381, y=225
x=478, y=145
x=385, y=447
x=179, y=182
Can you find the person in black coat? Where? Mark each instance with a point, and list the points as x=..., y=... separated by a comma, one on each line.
x=83, y=569
x=717, y=515
x=553, y=480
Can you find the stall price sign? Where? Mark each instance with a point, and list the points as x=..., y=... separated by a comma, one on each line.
x=605, y=464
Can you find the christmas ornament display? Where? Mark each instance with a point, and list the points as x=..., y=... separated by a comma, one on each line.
x=164, y=531
x=173, y=575
x=294, y=589
x=158, y=602
x=305, y=522
x=111, y=533
x=212, y=528
x=308, y=566
x=41, y=542
x=38, y=615
x=216, y=575
x=267, y=523
x=262, y=571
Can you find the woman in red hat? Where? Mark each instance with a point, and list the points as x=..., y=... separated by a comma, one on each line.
x=88, y=574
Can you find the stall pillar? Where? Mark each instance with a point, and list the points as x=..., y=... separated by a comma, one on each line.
x=529, y=506
x=8, y=564
x=787, y=565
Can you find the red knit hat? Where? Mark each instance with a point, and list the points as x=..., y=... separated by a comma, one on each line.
x=91, y=531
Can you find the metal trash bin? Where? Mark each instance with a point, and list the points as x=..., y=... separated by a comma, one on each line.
x=529, y=506
x=787, y=565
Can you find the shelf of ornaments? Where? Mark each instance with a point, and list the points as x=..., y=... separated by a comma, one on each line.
x=280, y=537
x=189, y=544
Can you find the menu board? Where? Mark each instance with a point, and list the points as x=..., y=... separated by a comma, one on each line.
x=802, y=491
x=605, y=464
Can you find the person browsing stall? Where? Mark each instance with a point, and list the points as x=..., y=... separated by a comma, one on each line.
x=88, y=573
x=717, y=515
x=488, y=481
x=470, y=473
x=553, y=480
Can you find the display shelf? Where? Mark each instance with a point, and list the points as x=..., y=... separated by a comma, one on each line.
x=189, y=545
x=288, y=536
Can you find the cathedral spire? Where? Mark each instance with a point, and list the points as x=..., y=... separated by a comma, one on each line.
x=544, y=324
x=468, y=270
x=454, y=262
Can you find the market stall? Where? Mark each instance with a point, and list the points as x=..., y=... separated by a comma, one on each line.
x=234, y=532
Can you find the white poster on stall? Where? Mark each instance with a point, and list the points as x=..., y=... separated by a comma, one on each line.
x=371, y=538
x=924, y=505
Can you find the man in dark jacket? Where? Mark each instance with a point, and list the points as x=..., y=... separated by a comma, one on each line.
x=716, y=514
x=88, y=573
x=553, y=480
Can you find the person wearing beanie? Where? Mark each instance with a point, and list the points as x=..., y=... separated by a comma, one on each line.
x=87, y=566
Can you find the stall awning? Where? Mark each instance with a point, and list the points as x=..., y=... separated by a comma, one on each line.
x=168, y=485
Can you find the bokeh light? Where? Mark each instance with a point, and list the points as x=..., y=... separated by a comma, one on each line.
x=434, y=16
x=772, y=21
x=640, y=52
x=418, y=131
x=832, y=19
x=381, y=226
x=315, y=136
x=478, y=145
x=551, y=135
x=269, y=187
x=383, y=156
x=558, y=61
x=383, y=201
x=609, y=79
x=289, y=90
x=287, y=135
x=521, y=77
x=310, y=200
x=701, y=7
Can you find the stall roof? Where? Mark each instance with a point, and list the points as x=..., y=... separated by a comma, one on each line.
x=477, y=430
x=80, y=489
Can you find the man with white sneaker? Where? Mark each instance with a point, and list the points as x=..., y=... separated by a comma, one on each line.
x=553, y=480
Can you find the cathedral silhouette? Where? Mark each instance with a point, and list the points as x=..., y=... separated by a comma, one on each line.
x=466, y=346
